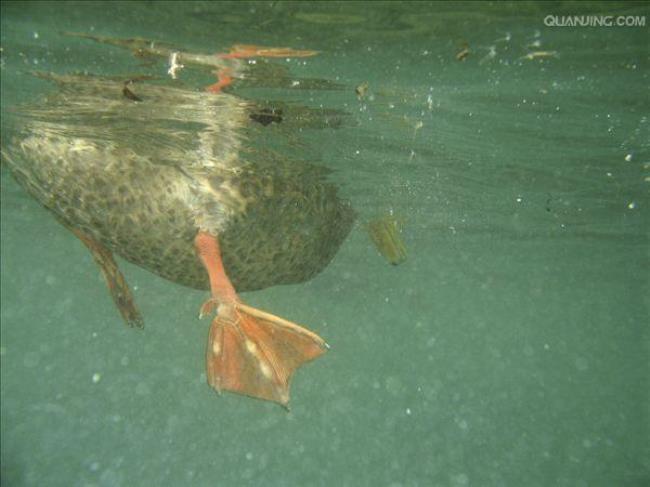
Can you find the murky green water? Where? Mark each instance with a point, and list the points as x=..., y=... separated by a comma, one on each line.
x=510, y=349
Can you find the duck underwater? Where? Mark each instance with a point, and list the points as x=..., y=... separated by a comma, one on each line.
x=201, y=187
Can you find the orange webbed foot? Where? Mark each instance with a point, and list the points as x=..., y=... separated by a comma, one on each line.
x=249, y=351
x=255, y=353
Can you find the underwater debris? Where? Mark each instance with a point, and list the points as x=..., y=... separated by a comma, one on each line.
x=361, y=90
x=385, y=234
x=535, y=44
x=506, y=38
x=267, y=115
x=417, y=126
x=128, y=93
x=540, y=55
x=463, y=53
x=492, y=52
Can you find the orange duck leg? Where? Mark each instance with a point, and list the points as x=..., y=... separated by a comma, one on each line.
x=249, y=351
x=224, y=79
x=245, y=51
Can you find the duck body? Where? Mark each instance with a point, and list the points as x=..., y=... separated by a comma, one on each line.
x=207, y=190
x=143, y=177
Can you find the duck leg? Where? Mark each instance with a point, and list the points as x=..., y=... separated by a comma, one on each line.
x=117, y=286
x=249, y=351
x=224, y=77
x=246, y=51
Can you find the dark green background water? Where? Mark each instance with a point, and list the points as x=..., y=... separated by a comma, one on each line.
x=512, y=347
